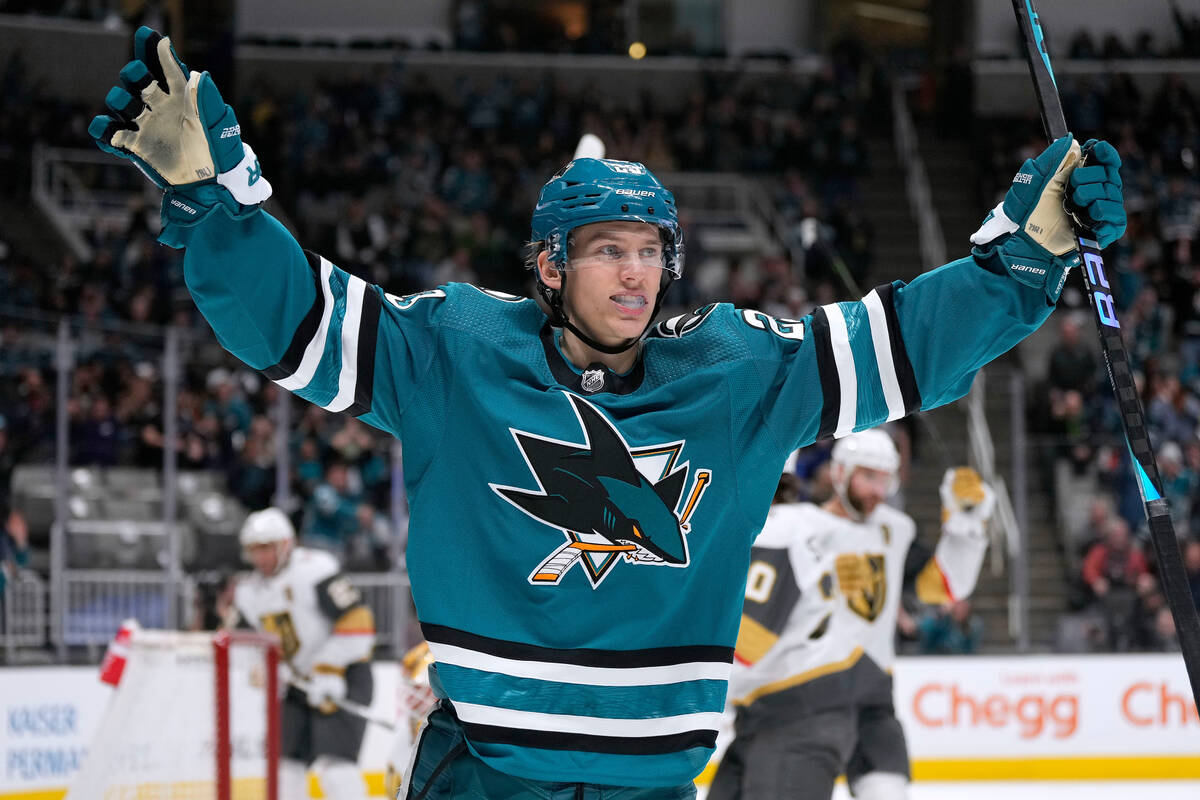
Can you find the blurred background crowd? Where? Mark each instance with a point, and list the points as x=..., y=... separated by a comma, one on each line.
x=409, y=185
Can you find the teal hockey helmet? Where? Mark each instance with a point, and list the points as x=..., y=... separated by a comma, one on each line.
x=591, y=190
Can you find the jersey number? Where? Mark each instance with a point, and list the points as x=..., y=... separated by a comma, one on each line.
x=783, y=328
x=281, y=625
x=760, y=581
x=343, y=593
x=409, y=300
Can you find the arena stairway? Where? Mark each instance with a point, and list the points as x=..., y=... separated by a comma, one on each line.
x=940, y=436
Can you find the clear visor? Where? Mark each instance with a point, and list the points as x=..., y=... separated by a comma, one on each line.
x=650, y=257
x=616, y=247
x=885, y=481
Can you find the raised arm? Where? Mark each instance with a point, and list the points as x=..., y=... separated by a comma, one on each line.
x=905, y=348
x=311, y=327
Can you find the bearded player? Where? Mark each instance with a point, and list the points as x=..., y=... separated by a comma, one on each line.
x=812, y=686
x=326, y=637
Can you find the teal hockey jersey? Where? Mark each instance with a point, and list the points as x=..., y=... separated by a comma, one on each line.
x=579, y=540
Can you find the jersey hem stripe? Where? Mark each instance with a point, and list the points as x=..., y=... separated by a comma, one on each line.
x=624, y=659
x=803, y=677
x=591, y=743
x=597, y=726
x=582, y=675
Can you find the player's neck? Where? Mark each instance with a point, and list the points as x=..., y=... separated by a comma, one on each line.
x=834, y=506
x=582, y=356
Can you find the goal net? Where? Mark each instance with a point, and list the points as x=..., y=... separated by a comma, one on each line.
x=195, y=716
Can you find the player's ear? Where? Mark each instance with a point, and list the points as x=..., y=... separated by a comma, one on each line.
x=550, y=276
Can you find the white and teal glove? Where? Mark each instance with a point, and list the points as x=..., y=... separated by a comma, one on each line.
x=1030, y=235
x=176, y=128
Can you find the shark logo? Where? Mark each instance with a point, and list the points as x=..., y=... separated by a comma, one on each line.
x=609, y=500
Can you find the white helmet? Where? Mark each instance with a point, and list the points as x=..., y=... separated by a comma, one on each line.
x=872, y=449
x=266, y=527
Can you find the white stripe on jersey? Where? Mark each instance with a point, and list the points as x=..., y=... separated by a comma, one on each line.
x=843, y=357
x=881, y=338
x=316, y=346
x=593, y=726
x=348, y=377
x=586, y=676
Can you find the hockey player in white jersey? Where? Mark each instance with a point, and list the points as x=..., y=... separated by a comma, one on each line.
x=327, y=635
x=812, y=684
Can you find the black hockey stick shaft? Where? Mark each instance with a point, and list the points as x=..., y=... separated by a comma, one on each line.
x=1116, y=359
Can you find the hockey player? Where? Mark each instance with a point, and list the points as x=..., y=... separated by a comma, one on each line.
x=326, y=635
x=584, y=489
x=812, y=686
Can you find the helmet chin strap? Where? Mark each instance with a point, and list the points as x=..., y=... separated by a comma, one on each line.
x=842, y=490
x=554, y=299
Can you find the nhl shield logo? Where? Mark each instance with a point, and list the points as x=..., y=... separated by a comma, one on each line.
x=592, y=380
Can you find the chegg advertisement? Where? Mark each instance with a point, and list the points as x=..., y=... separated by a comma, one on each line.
x=1046, y=717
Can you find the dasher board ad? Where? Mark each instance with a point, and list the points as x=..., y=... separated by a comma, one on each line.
x=1049, y=717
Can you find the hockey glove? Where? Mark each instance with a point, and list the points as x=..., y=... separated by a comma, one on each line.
x=325, y=690
x=967, y=502
x=1095, y=199
x=1029, y=234
x=176, y=128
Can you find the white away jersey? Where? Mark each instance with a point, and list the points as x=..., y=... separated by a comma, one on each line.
x=315, y=610
x=797, y=623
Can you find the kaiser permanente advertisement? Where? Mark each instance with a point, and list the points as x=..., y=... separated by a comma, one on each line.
x=984, y=718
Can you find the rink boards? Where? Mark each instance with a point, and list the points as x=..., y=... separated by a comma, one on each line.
x=1015, y=718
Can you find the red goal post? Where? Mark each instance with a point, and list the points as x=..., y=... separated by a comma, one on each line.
x=194, y=716
x=269, y=644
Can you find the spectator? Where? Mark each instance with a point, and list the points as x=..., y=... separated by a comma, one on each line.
x=331, y=518
x=14, y=548
x=1191, y=562
x=370, y=546
x=1179, y=484
x=8, y=461
x=1072, y=363
x=1111, y=570
x=950, y=630
x=252, y=474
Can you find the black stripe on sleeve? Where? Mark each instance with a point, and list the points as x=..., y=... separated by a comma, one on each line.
x=774, y=610
x=305, y=331
x=827, y=371
x=652, y=657
x=904, y=369
x=591, y=743
x=368, y=336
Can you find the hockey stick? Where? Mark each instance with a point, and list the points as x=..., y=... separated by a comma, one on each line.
x=348, y=705
x=1116, y=359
